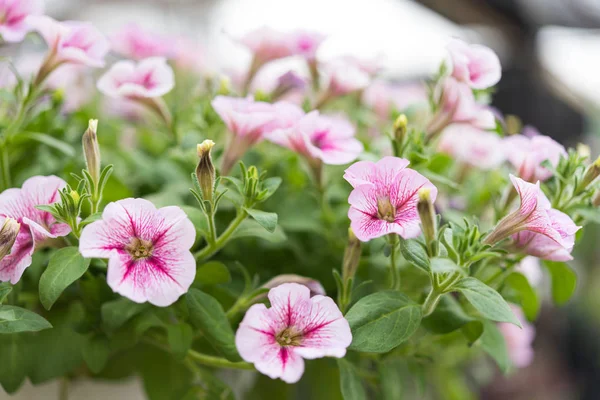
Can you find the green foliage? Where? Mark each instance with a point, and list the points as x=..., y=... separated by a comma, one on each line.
x=486, y=300
x=564, y=281
x=352, y=388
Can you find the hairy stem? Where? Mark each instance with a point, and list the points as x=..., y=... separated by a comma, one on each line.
x=218, y=362
x=222, y=240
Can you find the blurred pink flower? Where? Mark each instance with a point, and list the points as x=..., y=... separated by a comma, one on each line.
x=320, y=138
x=13, y=18
x=476, y=65
x=518, y=340
x=267, y=44
x=384, y=199
x=249, y=121
x=149, y=78
x=530, y=267
x=148, y=250
x=384, y=97
x=535, y=215
x=346, y=76
x=37, y=226
x=77, y=86
x=71, y=42
x=527, y=154
x=190, y=56
x=135, y=42
x=297, y=326
x=472, y=146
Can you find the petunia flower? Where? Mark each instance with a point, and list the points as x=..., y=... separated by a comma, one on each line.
x=472, y=146
x=278, y=339
x=474, y=64
x=249, y=121
x=527, y=154
x=534, y=215
x=13, y=18
x=148, y=250
x=70, y=42
x=518, y=340
x=383, y=97
x=134, y=42
x=320, y=138
x=541, y=246
x=385, y=197
x=456, y=104
x=346, y=76
x=37, y=227
x=149, y=78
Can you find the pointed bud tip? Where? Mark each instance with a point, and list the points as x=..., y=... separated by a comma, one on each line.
x=597, y=162
x=401, y=122
x=205, y=147
x=424, y=194
x=75, y=196
x=93, y=125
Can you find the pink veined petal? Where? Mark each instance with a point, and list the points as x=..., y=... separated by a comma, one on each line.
x=325, y=331
x=484, y=67
x=281, y=362
x=367, y=227
x=286, y=299
x=48, y=28
x=179, y=232
x=256, y=333
x=360, y=173
x=13, y=265
x=156, y=280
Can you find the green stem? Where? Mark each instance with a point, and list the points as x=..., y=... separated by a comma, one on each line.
x=217, y=362
x=5, y=166
x=222, y=240
x=212, y=230
x=394, y=272
x=240, y=305
x=431, y=301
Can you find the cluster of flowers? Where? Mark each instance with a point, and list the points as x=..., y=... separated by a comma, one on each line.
x=149, y=249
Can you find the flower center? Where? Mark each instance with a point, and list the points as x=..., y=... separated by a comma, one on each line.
x=289, y=337
x=139, y=248
x=385, y=210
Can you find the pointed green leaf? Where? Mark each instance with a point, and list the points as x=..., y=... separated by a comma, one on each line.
x=65, y=267
x=212, y=273
x=528, y=298
x=486, y=300
x=267, y=220
x=5, y=289
x=564, y=281
x=350, y=384
x=180, y=339
x=16, y=319
x=492, y=341
x=415, y=254
x=115, y=313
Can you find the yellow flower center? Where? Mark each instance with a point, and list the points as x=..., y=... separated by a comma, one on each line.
x=385, y=210
x=139, y=248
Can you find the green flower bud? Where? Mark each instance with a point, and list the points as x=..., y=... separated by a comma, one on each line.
x=91, y=151
x=400, y=127
x=205, y=171
x=427, y=214
x=591, y=173
x=351, y=256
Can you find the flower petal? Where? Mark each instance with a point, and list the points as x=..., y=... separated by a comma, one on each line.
x=13, y=265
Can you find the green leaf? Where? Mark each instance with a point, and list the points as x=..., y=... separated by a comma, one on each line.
x=564, y=281
x=267, y=220
x=92, y=218
x=13, y=364
x=444, y=266
x=492, y=341
x=5, y=289
x=16, y=319
x=486, y=300
x=65, y=267
x=415, y=254
x=350, y=384
x=180, y=339
x=48, y=140
x=212, y=273
x=115, y=313
x=382, y=321
x=271, y=185
x=95, y=352
x=449, y=316
x=251, y=228
x=528, y=298
x=207, y=315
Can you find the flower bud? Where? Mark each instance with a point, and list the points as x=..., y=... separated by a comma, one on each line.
x=8, y=235
x=91, y=151
x=75, y=196
x=427, y=214
x=400, y=127
x=224, y=86
x=583, y=150
x=591, y=173
x=596, y=200
x=314, y=285
x=351, y=256
x=205, y=171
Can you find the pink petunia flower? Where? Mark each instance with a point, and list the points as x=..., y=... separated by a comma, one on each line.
x=534, y=215
x=149, y=78
x=346, y=76
x=457, y=104
x=71, y=42
x=518, y=340
x=385, y=197
x=249, y=121
x=277, y=339
x=383, y=97
x=472, y=146
x=37, y=226
x=13, y=18
x=541, y=246
x=267, y=44
x=137, y=43
x=148, y=250
x=476, y=65
x=320, y=138
x=527, y=154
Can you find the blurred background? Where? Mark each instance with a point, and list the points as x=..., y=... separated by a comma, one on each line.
x=550, y=53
